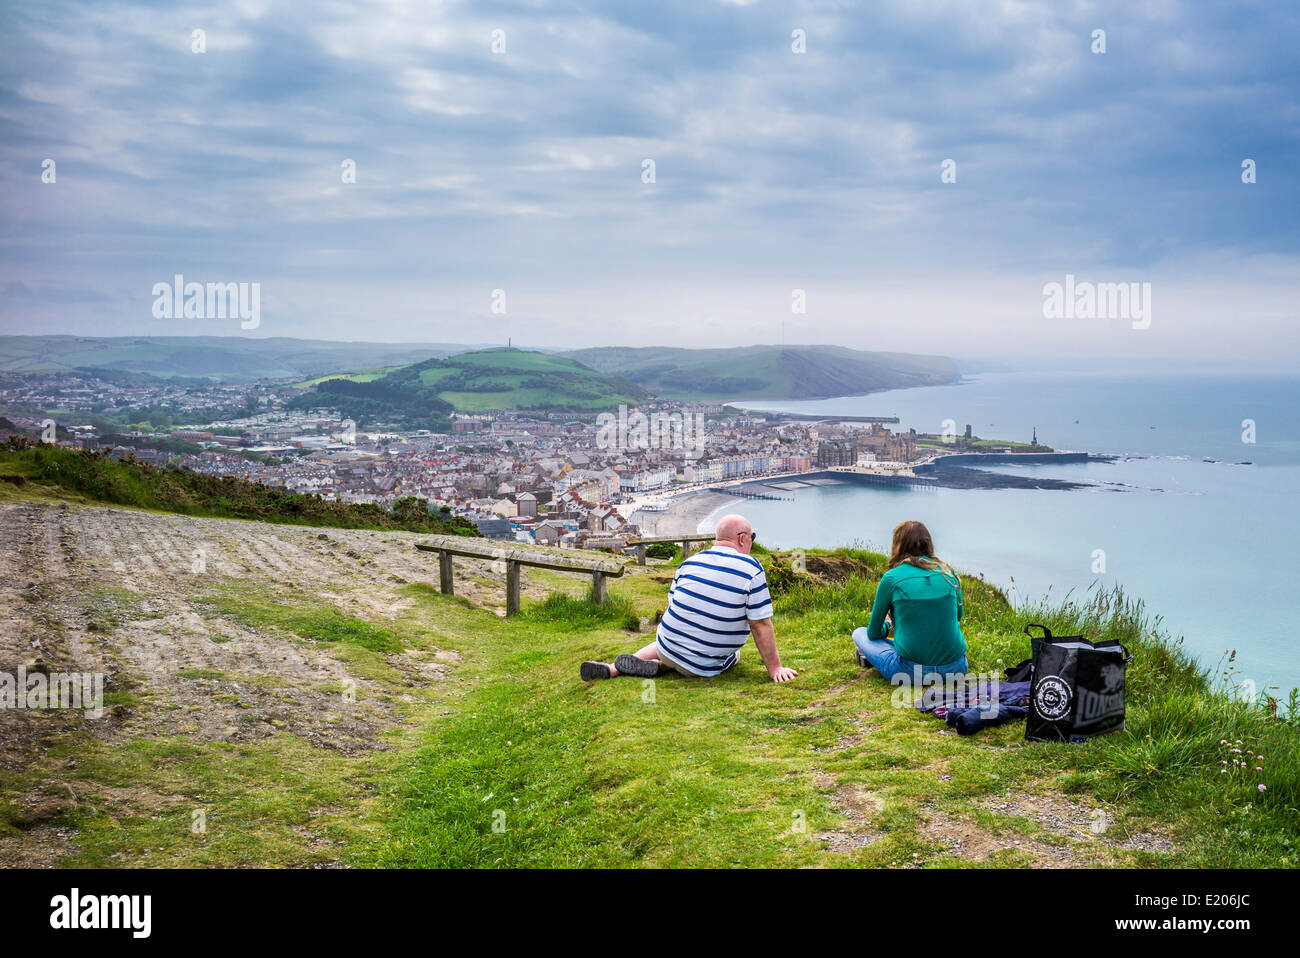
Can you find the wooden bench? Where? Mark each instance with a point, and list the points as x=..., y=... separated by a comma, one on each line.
x=513, y=556
x=686, y=541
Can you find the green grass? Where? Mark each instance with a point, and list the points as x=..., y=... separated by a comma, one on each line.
x=202, y=674
x=256, y=802
x=314, y=621
x=582, y=612
x=511, y=761
x=715, y=772
x=525, y=380
x=431, y=376
x=359, y=376
x=930, y=441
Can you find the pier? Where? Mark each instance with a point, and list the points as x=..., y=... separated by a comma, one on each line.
x=744, y=493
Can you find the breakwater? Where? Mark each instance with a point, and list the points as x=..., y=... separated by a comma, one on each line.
x=994, y=458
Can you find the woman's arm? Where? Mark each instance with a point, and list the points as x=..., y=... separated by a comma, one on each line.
x=876, y=628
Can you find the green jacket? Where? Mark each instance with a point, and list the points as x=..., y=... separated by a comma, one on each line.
x=926, y=608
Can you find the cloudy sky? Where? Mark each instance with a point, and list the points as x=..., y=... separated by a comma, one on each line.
x=522, y=170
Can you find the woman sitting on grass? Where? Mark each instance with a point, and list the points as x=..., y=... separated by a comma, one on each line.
x=919, y=600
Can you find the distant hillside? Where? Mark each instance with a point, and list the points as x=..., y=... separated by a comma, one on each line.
x=767, y=372
x=604, y=373
x=50, y=468
x=424, y=394
x=222, y=358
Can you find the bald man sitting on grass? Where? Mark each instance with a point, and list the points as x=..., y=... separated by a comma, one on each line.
x=718, y=597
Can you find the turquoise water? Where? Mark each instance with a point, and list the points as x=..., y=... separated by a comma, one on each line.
x=1212, y=547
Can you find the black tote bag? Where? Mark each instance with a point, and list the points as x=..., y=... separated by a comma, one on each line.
x=1077, y=690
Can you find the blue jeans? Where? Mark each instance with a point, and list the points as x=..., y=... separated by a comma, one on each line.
x=888, y=663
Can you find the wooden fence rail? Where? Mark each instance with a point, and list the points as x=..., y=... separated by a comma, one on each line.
x=512, y=557
x=686, y=541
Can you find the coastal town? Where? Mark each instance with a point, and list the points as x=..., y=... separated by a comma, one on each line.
x=551, y=478
x=580, y=479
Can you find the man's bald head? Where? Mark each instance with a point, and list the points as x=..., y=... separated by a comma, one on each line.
x=735, y=531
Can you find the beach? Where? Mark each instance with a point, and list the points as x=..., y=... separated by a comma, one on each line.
x=685, y=513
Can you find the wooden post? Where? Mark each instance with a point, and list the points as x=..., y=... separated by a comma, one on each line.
x=512, y=587
x=444, y=573
x=686, y=548
x=598, y=585
x=640, y=553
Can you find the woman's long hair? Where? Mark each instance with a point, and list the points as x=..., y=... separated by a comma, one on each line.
x=912, y=544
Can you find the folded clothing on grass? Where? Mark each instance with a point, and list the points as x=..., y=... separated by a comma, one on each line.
x=972, y=707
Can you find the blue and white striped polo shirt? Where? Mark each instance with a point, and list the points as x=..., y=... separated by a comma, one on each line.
x=714, y=595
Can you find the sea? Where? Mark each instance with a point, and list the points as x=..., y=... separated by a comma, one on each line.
x=1197, y=515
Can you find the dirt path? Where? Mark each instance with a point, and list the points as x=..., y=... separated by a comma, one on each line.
x=119, y=592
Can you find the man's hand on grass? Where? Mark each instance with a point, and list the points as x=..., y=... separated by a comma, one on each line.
x=765, y=639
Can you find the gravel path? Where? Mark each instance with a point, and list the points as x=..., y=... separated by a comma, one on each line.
x=89, y=589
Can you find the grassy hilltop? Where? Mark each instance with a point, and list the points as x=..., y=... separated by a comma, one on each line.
x=425, y=394
x=521, y=379
x=824, y=770
x=226, y=695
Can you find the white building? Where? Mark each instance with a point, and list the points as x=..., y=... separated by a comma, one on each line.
x=646, y=479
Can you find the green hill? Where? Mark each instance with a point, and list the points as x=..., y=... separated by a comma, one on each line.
x=424, y=394
x=767, y=372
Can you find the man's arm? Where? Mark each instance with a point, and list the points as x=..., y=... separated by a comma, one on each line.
x=765, y=639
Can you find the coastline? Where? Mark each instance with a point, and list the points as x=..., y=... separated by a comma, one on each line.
x=685, y=513
x=688, y=509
